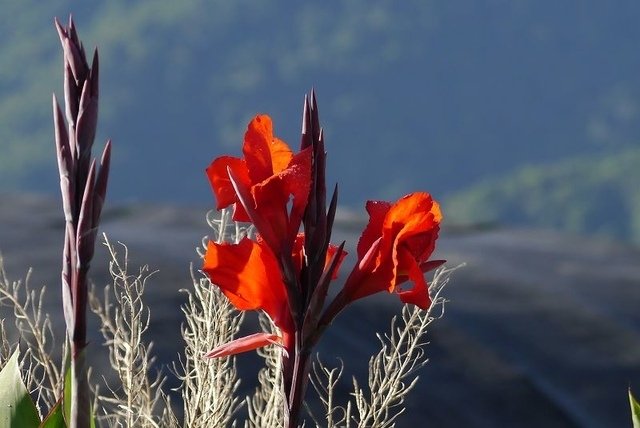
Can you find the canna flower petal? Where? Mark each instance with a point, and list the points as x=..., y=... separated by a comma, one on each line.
x=272, y=195
x=244, y=344
x=331, y=251
x=419, y=294
x=397, y=242
x=264, y=154
x=377, y=211
x=249, y=275
x=222, y=186
x=273, y=176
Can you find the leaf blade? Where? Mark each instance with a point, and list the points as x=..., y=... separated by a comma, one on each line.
x=635, y=410
x=16, y=407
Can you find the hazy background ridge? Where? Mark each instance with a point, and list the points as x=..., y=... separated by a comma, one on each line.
x=430, y=95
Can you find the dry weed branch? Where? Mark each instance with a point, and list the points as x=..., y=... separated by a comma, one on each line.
x=392, y=371
x=139, y=399
x=34, y=327
x=5, y=345
x=209, y=385
x=324, y=381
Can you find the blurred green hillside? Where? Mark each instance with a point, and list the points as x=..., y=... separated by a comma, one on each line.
x=413, y=94
x=595, y=195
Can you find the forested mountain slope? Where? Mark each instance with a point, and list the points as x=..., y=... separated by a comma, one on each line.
x=430, y=95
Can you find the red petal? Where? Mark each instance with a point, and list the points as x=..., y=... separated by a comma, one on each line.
x=416, y=212
x=248, y=274
x=331, y=251
x=222, y=186
x=244, y=344
x=413, y=223
x=271, y=198
x=361, y=282
x=377, y=211
x=297, y=179
x=247, y=202
x=272, y=195
x=264, y=154
x=419, y=294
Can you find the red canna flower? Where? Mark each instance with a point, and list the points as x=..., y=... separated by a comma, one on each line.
x=394, y=248
x=287, y=274
x=260, y=185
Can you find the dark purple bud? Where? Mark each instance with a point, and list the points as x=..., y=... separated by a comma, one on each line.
x=319, y=296
x=87, y=122
x=101, y=184
x=71, y=95
x=65, y=162
x=84, y=241
x=94, y=75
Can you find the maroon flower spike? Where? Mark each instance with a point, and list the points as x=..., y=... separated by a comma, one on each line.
x=83, y=185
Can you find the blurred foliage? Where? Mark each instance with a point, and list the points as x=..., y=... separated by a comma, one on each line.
x=594, y=196
x=187, y=76
x=434, y=95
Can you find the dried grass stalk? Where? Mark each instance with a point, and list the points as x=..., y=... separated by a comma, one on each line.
x=209, y=385
x=42, y=376
x=5, y=345
x=139, y=400
x=392, y=371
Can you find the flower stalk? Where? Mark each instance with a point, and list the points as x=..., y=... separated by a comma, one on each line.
x=83, y=185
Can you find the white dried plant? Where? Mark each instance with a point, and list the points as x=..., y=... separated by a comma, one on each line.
x=209, y=385
x=392, y=371
x=5, y=345
x=325, y=382
x=43, y=378
x=138, y=399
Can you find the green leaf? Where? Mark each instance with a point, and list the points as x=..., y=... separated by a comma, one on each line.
x=92, y=421
x=635, y=410
x=16, y=408
x=55, y=418
x=66, y=394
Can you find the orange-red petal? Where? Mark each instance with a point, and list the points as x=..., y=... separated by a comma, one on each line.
x=377, y=211
x=221, y=184
x=248, y=274
x=265, y=154
x=244, y=344
x=331, y=251
x=407, y=231
x=407, y=265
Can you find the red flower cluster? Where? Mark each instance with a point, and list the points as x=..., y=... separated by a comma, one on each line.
x=287, y=273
